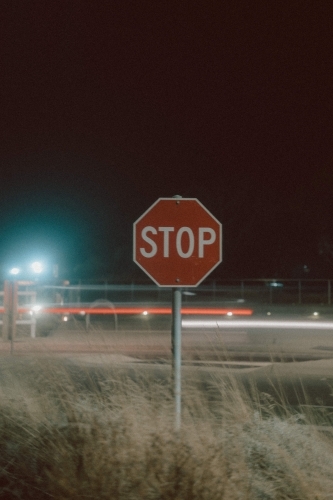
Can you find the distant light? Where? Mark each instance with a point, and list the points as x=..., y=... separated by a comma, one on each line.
x=65, y=318
x=35, y=309
x=145, y=313
x=275, y=284
x=269, y=313
x=316, y=313
x=229, y=313
x=14, y=270
x=82, y=313
x=37, y=267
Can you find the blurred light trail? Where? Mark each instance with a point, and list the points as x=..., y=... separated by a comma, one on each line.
x=310, y=325
x=133, y=310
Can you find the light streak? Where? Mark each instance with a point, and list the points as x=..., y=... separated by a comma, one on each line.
x=292, y=324
x=136, y=310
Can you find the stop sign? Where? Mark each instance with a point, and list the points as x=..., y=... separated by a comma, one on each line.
x=177, y=242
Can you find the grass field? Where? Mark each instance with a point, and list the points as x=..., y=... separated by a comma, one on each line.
x=67, y=432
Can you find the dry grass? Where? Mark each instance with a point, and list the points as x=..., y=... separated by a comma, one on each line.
x=70, y=433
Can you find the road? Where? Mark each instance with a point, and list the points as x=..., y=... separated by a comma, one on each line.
x=289, y=351
x=269, y=332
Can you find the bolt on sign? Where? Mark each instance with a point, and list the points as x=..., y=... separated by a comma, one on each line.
x=177, y=242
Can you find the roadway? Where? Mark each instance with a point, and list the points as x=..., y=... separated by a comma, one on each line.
x=236, y=331
x=274, y=348
x=210, y=331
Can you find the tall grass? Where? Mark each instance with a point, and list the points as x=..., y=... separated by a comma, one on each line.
x=72, y=433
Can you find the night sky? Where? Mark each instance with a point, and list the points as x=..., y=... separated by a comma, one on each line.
x=108, y=105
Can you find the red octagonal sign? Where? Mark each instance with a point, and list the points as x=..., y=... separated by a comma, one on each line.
x=177, y=242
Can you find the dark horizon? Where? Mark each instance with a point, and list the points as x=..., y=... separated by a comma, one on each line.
x=106, y=108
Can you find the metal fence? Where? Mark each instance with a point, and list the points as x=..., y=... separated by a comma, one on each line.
x=263, y=291
x=236, y=294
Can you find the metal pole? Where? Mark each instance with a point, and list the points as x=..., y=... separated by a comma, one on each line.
x=33, y=328
x=115, y=316
x=176, y=352
x=13, y=315
x=7, y=298
x=270, y=293
x=329, y=292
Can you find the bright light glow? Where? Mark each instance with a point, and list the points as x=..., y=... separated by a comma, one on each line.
x=316, y=313
x=275, y=284
x=229, y=313
x=36, y=308
x=145, y=313
x=82, y=313
x=152, y=310
x=37, y=267
x=15, y=270
x=306, y=325
x=65, y=318
x=269, y=313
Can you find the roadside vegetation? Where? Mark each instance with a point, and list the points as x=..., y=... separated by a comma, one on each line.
x=78, y=433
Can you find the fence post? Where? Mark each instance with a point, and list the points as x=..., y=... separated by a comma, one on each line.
x=13, y=314
x=6, y=303
x=329, y=292
x=33, y=328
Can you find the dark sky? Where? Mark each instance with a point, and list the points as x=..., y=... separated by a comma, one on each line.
x=107, y=106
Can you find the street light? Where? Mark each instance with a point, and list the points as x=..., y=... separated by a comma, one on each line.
x=37, y=267
x=14, y=271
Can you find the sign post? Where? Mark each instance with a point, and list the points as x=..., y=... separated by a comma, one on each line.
x=177, y=242
x=177, y=351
